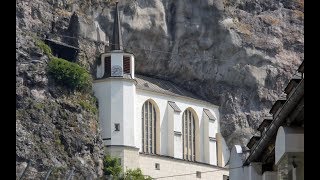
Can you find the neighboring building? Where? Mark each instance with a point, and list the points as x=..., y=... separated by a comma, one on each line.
x=278, y=154
x=154, y=124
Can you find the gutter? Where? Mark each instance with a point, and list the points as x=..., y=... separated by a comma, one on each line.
x=287, y=107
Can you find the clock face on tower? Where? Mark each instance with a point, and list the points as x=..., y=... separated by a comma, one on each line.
x=116, y=70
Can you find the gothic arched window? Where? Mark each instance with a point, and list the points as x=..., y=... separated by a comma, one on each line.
x=188, y=135
x=148, y=128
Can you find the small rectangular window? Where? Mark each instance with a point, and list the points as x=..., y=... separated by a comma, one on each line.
x=225, y=177
x=198, y=174
x=157, y=166
x=116, y=127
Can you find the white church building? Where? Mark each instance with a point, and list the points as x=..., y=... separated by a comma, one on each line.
x=154, y=124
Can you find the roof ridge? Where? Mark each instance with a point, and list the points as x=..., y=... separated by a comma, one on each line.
x=165, y=86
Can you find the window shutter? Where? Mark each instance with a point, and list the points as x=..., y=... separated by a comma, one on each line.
x=107, y=66
x=126, y=64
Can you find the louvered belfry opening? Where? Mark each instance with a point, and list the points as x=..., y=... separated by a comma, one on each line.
x=107, y=67
x=126, y=64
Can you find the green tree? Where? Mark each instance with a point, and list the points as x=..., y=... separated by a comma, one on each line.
x=112, y=166
x=135, y=174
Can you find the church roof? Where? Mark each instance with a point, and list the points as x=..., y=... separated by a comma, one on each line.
x=164, y=87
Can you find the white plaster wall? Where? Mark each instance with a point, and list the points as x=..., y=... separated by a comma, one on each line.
x=173, y=167
x=161, y=100
x=222, y=146
x=225, y=152
x=129, y=91
x=177, y=122
x=253, y=174
x=177, y=138
x=116, y=113
x=269, y=175
x=212, y=128
x=240, y=172
x=174, y=140
x=205, y=148
x=178, y=146
x=288, y=140
x=164, y=123
x=235, y=162
x=116, y=106
x=170, y=130
x=101, y=91
x=246, y=173
x=213, y=154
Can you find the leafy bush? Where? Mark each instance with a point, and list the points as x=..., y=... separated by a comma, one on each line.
x=136, y=174
x=111, y=166
x=64, y=72
x=69, y=74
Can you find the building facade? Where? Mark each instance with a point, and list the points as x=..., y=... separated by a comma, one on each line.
x=154, y=124
x=278, y=153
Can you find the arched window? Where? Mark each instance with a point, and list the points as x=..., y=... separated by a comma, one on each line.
x=148, y=128
x=188, y=136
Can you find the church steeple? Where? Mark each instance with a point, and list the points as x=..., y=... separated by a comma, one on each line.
x=116, y=36
x=115, y=85
x=116, y=62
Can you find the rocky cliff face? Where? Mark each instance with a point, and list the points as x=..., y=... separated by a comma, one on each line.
x=55, y=127
x=238, y=54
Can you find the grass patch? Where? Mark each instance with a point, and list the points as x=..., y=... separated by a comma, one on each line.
x=44, y=47
x=39, y=106
x=58, y=142
x=88, y=106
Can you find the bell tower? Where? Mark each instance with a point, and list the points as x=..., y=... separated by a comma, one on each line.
x=116, y=63
x=115, y=89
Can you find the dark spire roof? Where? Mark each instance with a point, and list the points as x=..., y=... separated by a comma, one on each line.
x=116, y=36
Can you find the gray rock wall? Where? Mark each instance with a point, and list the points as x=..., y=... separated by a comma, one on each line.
x=55, y=127
x=238, y=54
